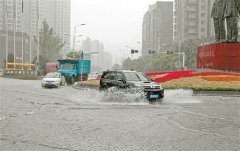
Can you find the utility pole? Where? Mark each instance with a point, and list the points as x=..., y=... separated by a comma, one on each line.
x=14, y=31
x=6, y=22
x=38, y=41
x=74, y=35
x=22, y=32
x=63, y=27
x=30, y=35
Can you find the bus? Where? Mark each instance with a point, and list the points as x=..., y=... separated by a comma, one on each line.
x=19, y=67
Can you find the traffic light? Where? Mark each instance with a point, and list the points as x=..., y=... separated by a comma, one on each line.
x=132, y=51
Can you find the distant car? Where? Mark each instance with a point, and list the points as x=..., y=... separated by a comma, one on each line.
x=125, y=79
x=92, y=76
x=53, y=79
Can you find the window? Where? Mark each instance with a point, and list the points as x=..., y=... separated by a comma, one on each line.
x=119, y=76
x=192, y=31
x=192, y=1
x=110, y=76
x=203, y=14
x=192, y=16
x=192, y=23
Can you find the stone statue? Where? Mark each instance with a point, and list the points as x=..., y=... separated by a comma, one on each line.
x=231, y=14
x=217, y=14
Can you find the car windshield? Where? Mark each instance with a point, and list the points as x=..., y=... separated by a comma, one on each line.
x=135, y=76
x=67, y=66
x=52, y=75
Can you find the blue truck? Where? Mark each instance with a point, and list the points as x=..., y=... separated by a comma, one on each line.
x=74, y=69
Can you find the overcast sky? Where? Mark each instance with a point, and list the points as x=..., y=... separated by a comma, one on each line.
x=116, y=23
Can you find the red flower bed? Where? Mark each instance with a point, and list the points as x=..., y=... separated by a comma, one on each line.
x=180, y=74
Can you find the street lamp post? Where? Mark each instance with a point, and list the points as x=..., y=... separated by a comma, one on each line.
x=179, y=46
x=74, y=36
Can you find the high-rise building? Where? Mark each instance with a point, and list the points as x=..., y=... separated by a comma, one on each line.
x=157, y=27
x=26, y=16
x=192, y=19
x=57, y=14
x=100, y=59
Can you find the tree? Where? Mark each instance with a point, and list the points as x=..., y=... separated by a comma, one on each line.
x=116, y=66
x=189, y=46
x=10, y=58
x=49, y=45
x=161, y=62
x=73, y=54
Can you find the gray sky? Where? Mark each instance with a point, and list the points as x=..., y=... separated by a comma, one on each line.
x=116, y=23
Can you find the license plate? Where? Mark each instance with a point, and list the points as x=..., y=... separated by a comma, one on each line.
x=154, y=96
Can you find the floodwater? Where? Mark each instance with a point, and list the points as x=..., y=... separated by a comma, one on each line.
x=36, y=118
x=120, y=98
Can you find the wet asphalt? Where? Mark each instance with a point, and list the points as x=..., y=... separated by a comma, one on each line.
x=39, y=119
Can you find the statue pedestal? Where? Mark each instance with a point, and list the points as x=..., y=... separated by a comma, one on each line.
x=220, y=56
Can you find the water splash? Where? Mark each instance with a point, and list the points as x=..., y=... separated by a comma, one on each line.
x=180, y=96
x=116, y=97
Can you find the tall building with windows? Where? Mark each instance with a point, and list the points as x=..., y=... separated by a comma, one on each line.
x=26, y=16
x=57, y=14
x=100, y=59
x=157, y=27
x=192, y=19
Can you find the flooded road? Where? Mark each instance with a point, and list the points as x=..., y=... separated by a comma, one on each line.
x=35, y=118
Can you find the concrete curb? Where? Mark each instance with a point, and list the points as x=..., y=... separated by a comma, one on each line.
x=217, y=93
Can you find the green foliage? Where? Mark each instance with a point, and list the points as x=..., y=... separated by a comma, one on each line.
x=190, y=48
x=49, y=45
x=167, y=62
x=73, y=54
x=116, y=66
x=10, y=58
x=161, y=62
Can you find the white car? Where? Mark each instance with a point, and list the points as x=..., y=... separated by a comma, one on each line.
x=53, y=79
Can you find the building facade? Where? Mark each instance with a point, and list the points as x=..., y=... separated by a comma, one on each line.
x=192, y=19
x=26, y=17
x=100, y=59
x=157, y=27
